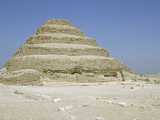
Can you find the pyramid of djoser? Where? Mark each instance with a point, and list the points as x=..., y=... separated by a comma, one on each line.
x=60, y=52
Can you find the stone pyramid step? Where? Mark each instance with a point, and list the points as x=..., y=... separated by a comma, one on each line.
x=61, y=38
x=59, y=29
x=61, y=49
x=58, y=22
x=64, y=63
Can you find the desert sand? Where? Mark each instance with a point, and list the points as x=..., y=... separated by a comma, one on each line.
x=88, y=101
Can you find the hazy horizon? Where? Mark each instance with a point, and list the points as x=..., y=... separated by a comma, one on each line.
x=130, y=30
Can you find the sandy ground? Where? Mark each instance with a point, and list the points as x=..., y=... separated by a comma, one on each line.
x=136, y=101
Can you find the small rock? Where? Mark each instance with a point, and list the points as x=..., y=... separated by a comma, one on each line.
x=85, y=105
x=61, y=109
x=122, y=104
x=115, y=98
x=45, y=97
x=57, y=100
x=18, y=92
x=109, y=101
x=142, y=107
x=99, y=118
x=72, y=117
x=155, y=104
x=68, y=107
x=44, y=83
x=65, y=108
x=132, y=87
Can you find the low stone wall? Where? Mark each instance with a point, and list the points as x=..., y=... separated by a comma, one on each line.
x=84, y=77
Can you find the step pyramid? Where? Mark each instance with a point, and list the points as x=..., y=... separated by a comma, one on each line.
x=60, y=52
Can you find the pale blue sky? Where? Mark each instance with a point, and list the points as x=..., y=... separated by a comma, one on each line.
x=129, y=29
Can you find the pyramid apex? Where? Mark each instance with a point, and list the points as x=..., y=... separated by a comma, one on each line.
x=58, y=22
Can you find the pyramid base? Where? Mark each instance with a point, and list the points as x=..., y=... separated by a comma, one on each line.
x=34, y=77
x=21, y=77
